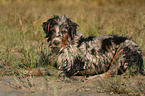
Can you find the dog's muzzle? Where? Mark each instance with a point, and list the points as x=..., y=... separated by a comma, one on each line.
x=56, y=42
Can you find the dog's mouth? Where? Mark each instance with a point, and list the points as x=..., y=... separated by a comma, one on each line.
x=56, y=49
x=55, y=46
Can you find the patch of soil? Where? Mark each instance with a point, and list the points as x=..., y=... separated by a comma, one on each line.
x=77, y=85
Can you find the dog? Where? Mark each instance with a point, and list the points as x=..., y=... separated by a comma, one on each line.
x=88, y=56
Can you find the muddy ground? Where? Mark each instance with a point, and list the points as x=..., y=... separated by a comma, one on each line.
x=76, y=86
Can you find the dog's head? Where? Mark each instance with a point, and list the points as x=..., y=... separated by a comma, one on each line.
x=59, y=30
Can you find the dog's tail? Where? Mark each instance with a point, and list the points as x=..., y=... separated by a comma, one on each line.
x=134, y=57
x=141, y=65
x=141, y=69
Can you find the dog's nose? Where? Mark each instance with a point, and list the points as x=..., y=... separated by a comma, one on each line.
x=56, y=42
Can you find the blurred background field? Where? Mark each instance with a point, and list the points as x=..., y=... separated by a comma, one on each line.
x=22, y=38
x=21, y=24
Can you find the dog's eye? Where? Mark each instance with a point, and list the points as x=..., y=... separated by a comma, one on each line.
x=63, y=32
x=52, y=30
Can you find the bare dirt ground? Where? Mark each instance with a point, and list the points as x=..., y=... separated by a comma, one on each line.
x=76, y=86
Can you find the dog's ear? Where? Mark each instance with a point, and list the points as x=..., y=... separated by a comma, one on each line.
x=46, y=26
x=72, y=28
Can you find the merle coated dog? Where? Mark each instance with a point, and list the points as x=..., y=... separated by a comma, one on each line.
x=91, y=55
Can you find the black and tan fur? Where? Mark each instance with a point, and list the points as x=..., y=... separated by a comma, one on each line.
x=91, y=55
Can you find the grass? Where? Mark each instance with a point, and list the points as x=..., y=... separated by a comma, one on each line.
x=22, y=42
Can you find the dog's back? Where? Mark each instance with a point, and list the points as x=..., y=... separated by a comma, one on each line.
x=123, y=52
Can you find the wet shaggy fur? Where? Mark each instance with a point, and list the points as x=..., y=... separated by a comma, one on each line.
x=87, y=56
